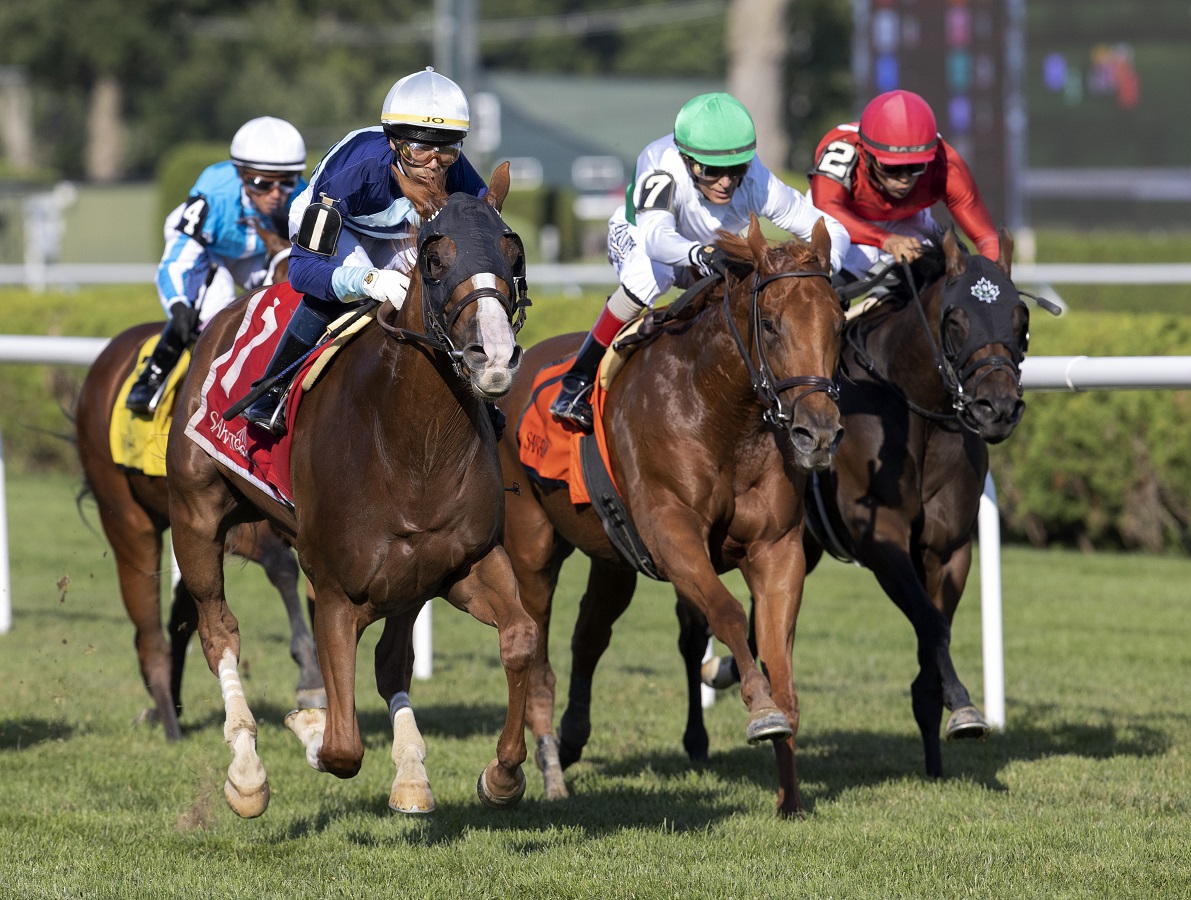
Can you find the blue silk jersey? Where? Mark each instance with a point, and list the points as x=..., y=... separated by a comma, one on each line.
x=355, y=174
x=214, y=228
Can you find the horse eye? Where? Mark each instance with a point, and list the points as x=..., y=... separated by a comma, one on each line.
x=767, y=324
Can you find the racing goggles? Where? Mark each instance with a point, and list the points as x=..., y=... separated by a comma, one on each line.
x=418, y=154
x=913, y=170
x=262, y=184
x=711, y=174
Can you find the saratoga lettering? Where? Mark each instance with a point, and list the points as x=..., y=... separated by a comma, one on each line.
x=233, y=439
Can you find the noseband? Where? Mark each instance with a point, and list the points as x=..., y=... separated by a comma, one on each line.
x=767, y=387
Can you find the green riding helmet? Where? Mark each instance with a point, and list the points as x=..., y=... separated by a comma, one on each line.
x=716, y=130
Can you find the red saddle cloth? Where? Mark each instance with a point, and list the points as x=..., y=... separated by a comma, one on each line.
x=254, y=453
x=549, y=449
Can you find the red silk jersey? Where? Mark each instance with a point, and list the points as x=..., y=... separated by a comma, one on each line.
x=842, y=186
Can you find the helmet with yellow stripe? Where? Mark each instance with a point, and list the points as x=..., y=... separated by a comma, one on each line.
x=426, y=107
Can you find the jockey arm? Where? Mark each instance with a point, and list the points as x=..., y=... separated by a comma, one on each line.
x=967, y=207
x=797, y=214
x=833, y=199
x=183, y=271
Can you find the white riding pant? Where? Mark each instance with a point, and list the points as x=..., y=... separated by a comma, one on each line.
x=644, y=278
x=862, y=259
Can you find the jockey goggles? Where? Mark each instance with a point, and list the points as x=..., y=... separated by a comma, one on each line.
x=711, y=174
x=419, y=154
x=913, y=170
x=262, y=184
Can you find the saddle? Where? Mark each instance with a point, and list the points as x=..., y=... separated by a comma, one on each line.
x=137, y=442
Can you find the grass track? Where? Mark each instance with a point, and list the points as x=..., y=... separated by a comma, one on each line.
x=1084, y=795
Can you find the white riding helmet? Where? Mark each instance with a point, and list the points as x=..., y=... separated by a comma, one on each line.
x=267, y=144
x=426, y=107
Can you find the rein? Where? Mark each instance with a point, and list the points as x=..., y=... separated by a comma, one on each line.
x=767, y=387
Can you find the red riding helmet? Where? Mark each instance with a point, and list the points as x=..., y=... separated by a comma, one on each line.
x=898, y=128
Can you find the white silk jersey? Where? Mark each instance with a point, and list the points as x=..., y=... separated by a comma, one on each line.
x=671, y=217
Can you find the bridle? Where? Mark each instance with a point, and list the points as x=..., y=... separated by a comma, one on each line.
x=471, y=259
x=953, y=365
x=767, y=386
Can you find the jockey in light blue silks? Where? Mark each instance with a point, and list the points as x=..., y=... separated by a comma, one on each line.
x=211, y=244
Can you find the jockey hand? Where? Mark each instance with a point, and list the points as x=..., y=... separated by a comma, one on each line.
x=902, y=247
x=385, y=284
x=710, y=259
x=184, y=321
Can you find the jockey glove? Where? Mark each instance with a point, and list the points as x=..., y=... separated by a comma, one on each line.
x=183, y=321
x=710, y=260
x=352, y=283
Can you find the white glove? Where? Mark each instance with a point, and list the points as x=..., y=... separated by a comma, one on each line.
x=385, y=284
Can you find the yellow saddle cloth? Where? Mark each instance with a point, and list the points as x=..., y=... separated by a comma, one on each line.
x=138, y=442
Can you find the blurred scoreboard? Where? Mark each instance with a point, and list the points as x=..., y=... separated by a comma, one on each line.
x=965, y=57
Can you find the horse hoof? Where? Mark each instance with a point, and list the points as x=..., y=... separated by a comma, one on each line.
x=412, y=798
x=768, y=725
x=312, y=699
x=719, y=673
x=546, y=756
x=246, y=806
x=966, y=723
x=493, y=801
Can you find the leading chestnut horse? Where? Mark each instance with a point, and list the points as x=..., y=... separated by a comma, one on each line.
x=711, y=427
x=134, y=512
x=932, y=376
x=397, y=492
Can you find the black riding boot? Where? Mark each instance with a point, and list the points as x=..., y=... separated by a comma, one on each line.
x=301, y=335
x=572, y=403
x=145, y=394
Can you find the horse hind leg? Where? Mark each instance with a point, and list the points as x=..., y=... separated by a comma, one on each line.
x=693, y=634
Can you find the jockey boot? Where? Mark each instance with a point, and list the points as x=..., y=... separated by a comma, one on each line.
x=572, y=402
x=499, y=420
x=301, y=335
x=146, y=393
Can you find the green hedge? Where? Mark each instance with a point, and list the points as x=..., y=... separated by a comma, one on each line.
x=1102, y=468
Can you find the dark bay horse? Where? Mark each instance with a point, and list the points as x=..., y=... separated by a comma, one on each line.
x=397, y=493
x=711, y=427
x=932, y=376
x=134, y=512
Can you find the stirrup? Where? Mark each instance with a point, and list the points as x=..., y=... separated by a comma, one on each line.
x=268, y=412
x=572, y=403
x=149, y=381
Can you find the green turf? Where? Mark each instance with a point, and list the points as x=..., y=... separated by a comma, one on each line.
x=1085, y=794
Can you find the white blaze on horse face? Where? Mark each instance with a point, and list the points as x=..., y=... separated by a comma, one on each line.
x=496, y=334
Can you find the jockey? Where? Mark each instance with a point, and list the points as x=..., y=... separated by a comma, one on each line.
x=881, y=175
x=688, y=185
x=353, y=227
x=211, y=244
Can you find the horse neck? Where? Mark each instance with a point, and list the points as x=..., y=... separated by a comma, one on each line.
x=904, y=349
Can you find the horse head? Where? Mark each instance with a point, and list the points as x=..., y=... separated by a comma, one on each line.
x=793, y=344
x=983, y=335
x=472, y=274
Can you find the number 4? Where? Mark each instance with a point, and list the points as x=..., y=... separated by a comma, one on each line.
x=193, y=216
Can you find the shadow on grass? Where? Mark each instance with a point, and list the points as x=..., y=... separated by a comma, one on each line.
x=23, y=734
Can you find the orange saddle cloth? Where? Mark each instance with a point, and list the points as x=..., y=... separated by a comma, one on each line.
x=548, y=449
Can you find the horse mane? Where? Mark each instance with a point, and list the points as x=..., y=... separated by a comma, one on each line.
x=924, y=271
x=426, y=199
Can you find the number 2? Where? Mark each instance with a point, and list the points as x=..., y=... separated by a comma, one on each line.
x=837, y=161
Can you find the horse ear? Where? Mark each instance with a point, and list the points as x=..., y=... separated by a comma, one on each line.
x=1005, y=259
x=498, y=187
x=956, y=258
x=821, y=244
x=756, y=240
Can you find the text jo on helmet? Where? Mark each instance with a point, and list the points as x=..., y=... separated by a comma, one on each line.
x=426, y=107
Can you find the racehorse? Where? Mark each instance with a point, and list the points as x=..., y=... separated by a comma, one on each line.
x=711, y=426
x=134, y=513
x=396, y=486
x=932, y=375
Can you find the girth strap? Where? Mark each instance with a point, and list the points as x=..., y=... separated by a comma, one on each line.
x=610, y=508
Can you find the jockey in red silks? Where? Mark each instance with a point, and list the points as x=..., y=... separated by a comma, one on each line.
x=881, y=175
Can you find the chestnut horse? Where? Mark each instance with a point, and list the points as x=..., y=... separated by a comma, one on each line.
x=397, y=492
x=932, y=376
x=134, y=513
x=711, y=427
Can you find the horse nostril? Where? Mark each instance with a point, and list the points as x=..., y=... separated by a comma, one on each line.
x=835, y=441
x=1019, y=410
x=474, y=356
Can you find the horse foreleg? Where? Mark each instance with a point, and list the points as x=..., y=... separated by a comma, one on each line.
x=489, y=592
x=945, y=583
x=692, y=644
x=337, y=629
x=610, y=588
x=775, y=574
x=393, y=664
x=247, y=787
x=182, y=625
